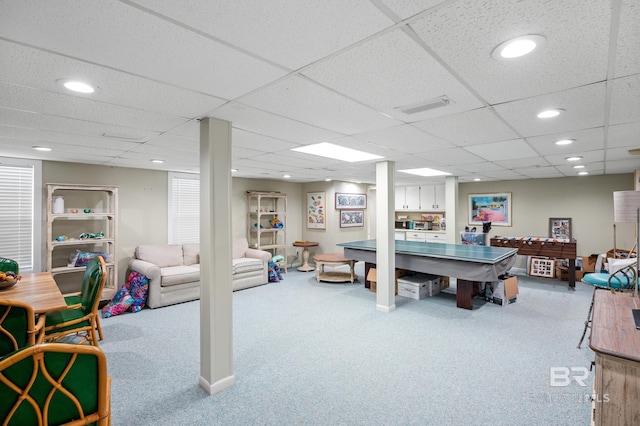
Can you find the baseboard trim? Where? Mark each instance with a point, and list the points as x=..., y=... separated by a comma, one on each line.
x=218, y=386
x=383, y=308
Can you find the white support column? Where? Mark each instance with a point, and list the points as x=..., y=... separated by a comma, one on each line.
x=385, y=237
x=216, y=293
x=451, y=208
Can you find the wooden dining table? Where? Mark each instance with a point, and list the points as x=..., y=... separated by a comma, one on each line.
x=38, y=290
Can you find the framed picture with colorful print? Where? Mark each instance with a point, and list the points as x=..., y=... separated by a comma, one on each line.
x=316, y=210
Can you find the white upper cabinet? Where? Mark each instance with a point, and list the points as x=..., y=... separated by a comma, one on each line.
x=420, y=198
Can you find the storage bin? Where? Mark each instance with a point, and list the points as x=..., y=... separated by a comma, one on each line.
x=419, y=286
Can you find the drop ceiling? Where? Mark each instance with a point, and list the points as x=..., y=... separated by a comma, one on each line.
x=290, y=73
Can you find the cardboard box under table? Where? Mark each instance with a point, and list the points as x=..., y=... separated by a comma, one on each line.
x=419, y=286
x=372, y=276
x=505, y=291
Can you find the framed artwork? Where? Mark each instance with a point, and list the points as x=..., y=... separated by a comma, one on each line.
x=351, y=201
x=560, y=228
x=351, y=218
x=316, y=210
x=494, y=208
x=542, y=267
x=636, y=178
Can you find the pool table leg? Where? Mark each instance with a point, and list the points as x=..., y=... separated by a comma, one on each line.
x=465, y=290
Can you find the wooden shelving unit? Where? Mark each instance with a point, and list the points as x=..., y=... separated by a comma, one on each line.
x=102, y=203
x=263, y=208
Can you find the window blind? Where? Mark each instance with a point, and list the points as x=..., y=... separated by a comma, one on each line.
x=184, y=208
x=17, y=214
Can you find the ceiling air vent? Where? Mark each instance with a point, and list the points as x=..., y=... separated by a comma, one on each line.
x=438, y=102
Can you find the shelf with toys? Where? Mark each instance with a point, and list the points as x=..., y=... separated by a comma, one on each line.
x=266, y=224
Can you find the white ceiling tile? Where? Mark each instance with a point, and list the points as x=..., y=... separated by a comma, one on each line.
x=407, y=8
x=469, y=128
x=80, y=108
x=627, y=57
x=465, y=33
x=125, y=38
x=42, y=70
x=624, y=135
x=44, y=137
x=452, y=157
x=541, y=172
x=249, y=140
x=310, y=103
x=290, y=32
x=625, y=105
x=389, y=72
x=69, y=126
x=507, y=150
x=254, y=120
x=583, y=110
x=405, y=138
x=519, y=163
x=585, y=140
x=587, y=157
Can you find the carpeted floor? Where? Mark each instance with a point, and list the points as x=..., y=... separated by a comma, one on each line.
x=308, y=353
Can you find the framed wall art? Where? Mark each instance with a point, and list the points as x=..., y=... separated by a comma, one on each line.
x=494, y=208
x=351, y=218
x=351, y=201
x=560, y=228
x=316, y=210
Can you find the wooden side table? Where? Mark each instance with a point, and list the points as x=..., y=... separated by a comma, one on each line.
x=334, y=259
x=305, y=254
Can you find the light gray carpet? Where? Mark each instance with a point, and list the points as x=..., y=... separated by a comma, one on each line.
x=308, y=353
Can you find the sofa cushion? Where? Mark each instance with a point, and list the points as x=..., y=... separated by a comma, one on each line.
x=173, y=275
x=161, y=255
x=191, y=254
x=240, y=246
x=247, y=264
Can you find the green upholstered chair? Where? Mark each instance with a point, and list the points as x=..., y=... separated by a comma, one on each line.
x=81, y=319
x=622, y=279
x=18, y=326
x=55, y=384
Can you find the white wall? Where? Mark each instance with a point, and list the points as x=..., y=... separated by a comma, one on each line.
x=332, y=234
x=587, y=200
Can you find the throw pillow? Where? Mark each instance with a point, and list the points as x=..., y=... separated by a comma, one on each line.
x=138, y=286
x=120, y=303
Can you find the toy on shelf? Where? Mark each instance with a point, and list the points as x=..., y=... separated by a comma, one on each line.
x=276, y=223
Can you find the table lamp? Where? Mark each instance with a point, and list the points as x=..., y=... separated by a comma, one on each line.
x=626, y=208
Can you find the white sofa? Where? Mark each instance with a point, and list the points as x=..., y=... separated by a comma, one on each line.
x=174, y=270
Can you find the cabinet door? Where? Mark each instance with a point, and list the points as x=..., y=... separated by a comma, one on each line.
x=427, y=197
x=439, y=194
x=412, y=197
x=400, y=198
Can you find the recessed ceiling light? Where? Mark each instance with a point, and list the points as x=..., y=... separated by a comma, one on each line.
x=157, y=161
x=234, y=170
x=77, y=86
x=583, y=173
x=565, y=141
x=425, y=172
x=477, y=179
x=327, y=180
x=41, y=148
x=550, y=113
x=337, y=152
x=573, y=158
x=579, y=166
x=286, y=176
x=517, y=47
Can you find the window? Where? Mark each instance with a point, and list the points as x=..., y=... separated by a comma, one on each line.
x=184, y=208
x=19, y=211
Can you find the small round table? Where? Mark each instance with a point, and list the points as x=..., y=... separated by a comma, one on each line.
x=334, y=259
x=305, y=254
